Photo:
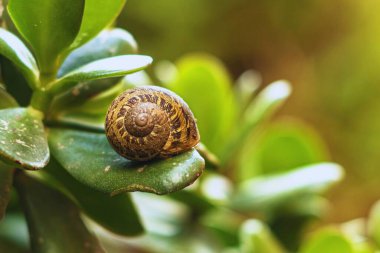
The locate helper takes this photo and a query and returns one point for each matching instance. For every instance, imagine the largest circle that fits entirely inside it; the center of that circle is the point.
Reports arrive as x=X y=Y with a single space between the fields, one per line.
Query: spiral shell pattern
x=148 y=122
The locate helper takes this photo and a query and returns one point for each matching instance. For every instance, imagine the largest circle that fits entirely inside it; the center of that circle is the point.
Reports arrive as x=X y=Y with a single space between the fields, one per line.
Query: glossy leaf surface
x=256 y=237
x=265 y=192
x=96 y=16
x=203 y=82
x=117 y=213
x=89 y=158
x=261 y=108
x=22 y=139
x=108 y=43
x=12 y=48
x=50 y=26
x=281 y=146
x=56 y=227
x=104 y=68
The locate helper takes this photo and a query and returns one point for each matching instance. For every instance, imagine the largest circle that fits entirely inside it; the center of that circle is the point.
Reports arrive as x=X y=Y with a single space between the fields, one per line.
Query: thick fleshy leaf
x=104 y=68
x=6 y=176
x=108 y=43
x=56 y=226
x=96 y=16
x=246 y=85
x=12 y=48
x=263 y=106
x=281 y=146
x=22 y=138
x=262 y=193
x=50 y=26
x=91 y=111
x=117 y=213
x=6 y=100
x=89 y=158
x=256 y=237
x=203 y=82
x=327 y=241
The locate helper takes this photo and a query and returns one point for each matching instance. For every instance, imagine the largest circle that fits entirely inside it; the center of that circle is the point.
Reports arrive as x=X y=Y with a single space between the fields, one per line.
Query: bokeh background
x=328 y=50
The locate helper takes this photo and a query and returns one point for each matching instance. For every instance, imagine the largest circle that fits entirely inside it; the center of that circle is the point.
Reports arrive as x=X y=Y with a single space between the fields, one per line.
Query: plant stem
x=41 y=101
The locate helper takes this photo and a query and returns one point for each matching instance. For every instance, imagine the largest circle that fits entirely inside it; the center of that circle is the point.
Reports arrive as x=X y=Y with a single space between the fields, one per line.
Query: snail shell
x=150 y=122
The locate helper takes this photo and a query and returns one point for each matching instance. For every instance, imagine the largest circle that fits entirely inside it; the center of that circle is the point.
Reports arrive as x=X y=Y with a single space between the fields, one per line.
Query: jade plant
x=64 y=189
x=52 y=120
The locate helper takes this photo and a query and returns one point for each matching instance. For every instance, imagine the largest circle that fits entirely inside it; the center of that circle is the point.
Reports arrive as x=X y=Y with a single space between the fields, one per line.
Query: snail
x=150 y=122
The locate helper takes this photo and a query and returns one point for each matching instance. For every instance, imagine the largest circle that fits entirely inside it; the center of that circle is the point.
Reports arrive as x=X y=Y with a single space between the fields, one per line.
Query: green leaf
x=56 y=226
x=12 y=48
x=117 y=213
x=15 y=82
x=203 y=82
x=89 y=158
x=96 y=16
x=374 y=223
x=282 y=146
x=6 y=176
x=104 y=68
x=256 y=237
x=22 y=138
x=6 y=100
x=13 y=228
x=266 y=192
x=245 y=87
x=262 y=107
x=50 y=26
x=108 y=43
x=327 y=241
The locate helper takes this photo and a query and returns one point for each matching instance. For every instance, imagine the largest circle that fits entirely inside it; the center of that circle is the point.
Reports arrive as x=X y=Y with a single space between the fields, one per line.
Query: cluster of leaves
x=261 y=187
x=57 y=85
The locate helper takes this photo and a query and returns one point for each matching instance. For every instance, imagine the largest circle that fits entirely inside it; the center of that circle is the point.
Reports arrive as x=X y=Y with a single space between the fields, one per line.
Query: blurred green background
x=328 y=50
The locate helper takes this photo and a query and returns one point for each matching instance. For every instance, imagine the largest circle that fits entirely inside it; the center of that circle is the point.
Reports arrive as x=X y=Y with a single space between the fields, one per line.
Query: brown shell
x=148 y=122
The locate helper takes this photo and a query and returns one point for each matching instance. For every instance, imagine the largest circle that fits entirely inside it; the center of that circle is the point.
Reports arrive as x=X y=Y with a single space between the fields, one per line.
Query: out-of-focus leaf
x=13 y=49
x=89 y=158
x=216 y=188
x=14 y=230
x=246 y=85
x=96 y=16
x=6 y=100
x=268 y=192
x=104 y=68
x=50 y=26
x=284 y=145
x=161 y=215
x=256 y=237
x=6 y=177
x=263 y=106
x=357 y=232
x=225 y=224
x=54 y=227
x=199 y=204
x=203 y=82
x=374 y=223
x=22 y=139
x=117 y=213
x=16 y=84
x=327 y=241
x=108 y=43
